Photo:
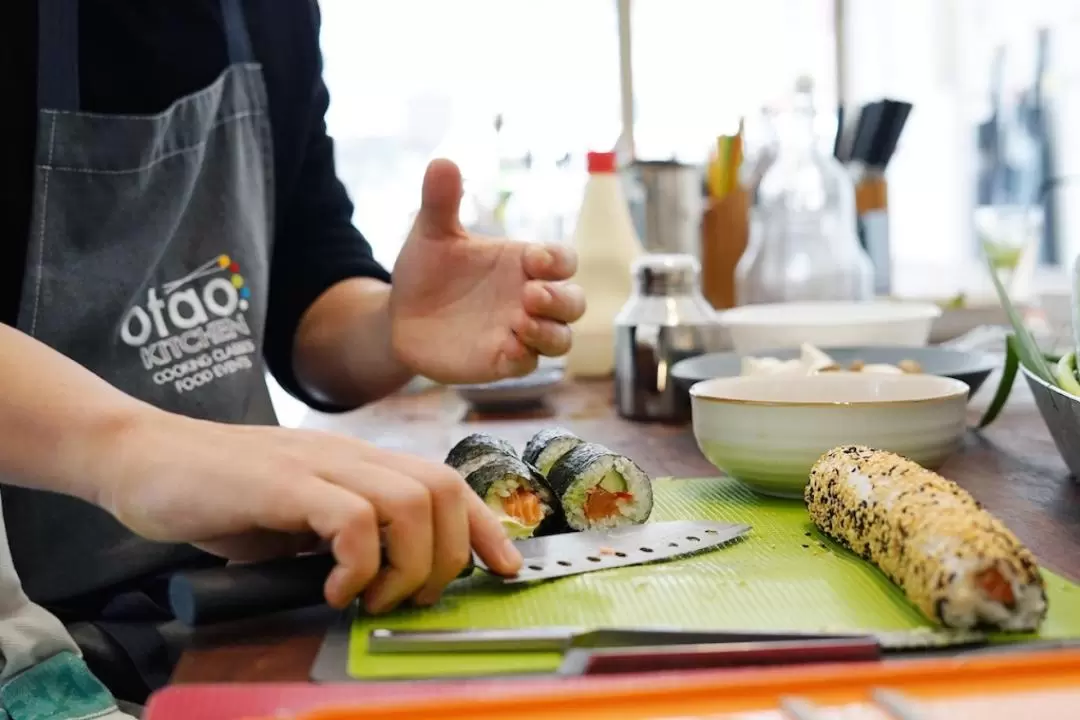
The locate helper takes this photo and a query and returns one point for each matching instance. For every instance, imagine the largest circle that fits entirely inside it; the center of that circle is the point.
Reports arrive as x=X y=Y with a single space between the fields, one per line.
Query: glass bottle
x=803 y=243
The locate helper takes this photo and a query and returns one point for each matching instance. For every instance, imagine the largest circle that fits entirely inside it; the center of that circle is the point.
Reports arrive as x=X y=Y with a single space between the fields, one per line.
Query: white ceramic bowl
x=829 y=324
x=768 y=431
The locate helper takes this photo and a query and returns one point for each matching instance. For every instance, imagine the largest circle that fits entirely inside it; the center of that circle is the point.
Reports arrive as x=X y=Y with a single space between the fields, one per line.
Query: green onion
x=1031 y=357
x=1008 y=376
x=1021 y=349
x=1065 y=374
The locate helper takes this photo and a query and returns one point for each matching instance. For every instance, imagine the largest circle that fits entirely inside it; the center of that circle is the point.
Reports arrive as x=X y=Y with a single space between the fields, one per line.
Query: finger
x=545 y=337
x=489 y=540
x=357 y=550
x=336 y=514
x=550 y=262
x=450 y=519
x=485 y=534
x=562 y=302
x=515 y=358
x=404 y=510
x=440 y=203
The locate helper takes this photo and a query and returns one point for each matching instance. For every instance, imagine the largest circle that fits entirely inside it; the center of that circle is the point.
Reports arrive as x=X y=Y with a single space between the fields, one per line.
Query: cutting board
x=783 y=575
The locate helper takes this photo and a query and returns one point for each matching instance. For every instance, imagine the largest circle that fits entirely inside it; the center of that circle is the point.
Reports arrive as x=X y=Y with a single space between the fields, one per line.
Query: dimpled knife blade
x=590 y=551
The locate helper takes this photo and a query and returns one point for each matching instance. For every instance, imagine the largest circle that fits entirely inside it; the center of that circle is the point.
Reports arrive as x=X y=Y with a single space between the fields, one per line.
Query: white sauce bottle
x=607 y=245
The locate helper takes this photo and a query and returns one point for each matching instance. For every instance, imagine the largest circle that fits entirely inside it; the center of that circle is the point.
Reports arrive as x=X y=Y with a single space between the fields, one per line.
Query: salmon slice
x=524 y=506
x=996 y=587
x=601 y=503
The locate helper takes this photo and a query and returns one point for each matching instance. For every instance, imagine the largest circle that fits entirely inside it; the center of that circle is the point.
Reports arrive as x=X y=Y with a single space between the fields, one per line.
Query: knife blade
x=568 y=554
x=384 y=641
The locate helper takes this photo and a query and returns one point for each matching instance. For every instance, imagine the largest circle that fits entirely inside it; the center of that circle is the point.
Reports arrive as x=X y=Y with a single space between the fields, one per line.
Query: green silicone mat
x=783 y=575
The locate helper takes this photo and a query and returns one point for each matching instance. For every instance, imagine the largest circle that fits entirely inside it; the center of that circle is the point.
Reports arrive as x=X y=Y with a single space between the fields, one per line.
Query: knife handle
x=234 y=592
x=700 y=657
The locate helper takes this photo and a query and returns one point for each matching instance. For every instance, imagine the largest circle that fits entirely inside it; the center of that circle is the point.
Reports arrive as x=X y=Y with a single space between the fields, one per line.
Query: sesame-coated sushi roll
x=955 y=561
x=518 y=496
x=546 y=447
x=475 y=450
x=600 y=489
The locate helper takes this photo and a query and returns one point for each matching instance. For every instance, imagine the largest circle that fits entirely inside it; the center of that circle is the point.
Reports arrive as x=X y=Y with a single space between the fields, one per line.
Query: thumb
x=441 y=200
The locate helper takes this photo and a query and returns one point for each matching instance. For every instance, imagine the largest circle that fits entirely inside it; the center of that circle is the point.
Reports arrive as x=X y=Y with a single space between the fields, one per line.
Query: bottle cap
x=601 y=162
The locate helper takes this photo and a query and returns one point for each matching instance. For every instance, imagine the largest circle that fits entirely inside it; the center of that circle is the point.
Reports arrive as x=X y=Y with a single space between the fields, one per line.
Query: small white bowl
x=829 y=324
x=768 y=431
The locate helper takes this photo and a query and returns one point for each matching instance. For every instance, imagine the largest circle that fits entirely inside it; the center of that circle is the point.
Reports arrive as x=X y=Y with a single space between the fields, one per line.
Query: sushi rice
x=954 y=560
x=600 y=489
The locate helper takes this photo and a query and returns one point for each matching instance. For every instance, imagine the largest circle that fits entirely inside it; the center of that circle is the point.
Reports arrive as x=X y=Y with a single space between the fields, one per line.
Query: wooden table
x=1012 y=467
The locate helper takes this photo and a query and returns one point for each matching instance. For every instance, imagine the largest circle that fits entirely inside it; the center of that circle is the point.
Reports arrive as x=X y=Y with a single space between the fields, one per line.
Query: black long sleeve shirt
x=138 y=58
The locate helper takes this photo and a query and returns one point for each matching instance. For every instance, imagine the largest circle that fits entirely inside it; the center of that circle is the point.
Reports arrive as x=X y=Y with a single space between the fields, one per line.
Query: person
x=176 y=227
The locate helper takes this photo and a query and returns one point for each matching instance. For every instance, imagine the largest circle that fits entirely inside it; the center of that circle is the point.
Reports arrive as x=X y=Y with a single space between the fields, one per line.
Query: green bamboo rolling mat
x=783 y=575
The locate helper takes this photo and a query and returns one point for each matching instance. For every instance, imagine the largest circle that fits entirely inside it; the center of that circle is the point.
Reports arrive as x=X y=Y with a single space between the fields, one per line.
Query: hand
x=473 y=309
x=250 y=493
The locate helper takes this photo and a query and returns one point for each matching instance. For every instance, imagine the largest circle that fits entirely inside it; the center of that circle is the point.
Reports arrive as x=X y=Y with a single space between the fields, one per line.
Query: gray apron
x=148 y=263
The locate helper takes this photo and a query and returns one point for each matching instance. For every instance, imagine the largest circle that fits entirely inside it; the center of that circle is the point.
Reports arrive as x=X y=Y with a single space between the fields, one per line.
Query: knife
x=205 y=596
x=561 y=639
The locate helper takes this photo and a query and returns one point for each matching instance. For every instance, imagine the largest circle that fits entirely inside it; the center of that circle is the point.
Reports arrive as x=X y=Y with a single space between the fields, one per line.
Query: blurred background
x=518 y=91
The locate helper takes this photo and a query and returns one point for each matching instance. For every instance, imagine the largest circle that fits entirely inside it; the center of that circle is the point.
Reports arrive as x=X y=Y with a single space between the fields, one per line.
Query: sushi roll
x=600 y=489
x=955 y=561
x=517 y=494
x=546 y=447
x=475 y=450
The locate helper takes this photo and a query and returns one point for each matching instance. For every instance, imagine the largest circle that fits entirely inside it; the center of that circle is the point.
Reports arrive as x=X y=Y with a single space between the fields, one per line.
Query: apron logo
x=189 y=334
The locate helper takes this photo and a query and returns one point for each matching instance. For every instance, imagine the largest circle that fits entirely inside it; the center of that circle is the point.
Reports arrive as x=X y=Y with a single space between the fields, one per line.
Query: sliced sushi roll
x=600 y=489
x=517 y=494
x=475 y=450
x=955 y=561
x=546 y=447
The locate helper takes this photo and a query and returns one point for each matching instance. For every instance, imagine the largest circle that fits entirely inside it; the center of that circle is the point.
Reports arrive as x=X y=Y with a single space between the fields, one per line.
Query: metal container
x=667 y=203
x=666 y=320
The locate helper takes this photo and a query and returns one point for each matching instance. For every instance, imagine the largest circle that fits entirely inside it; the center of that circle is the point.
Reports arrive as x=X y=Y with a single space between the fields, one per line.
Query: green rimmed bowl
x=768 y=431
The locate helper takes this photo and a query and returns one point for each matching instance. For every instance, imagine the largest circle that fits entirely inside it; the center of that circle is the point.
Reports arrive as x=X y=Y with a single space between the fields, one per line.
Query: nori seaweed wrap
x=599 y=489
x=475 y=450
x=546 y=447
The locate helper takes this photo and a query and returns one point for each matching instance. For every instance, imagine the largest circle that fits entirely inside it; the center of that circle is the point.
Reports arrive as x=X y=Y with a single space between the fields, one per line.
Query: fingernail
x=510 y=554
x=543 y=257
x=335 y=587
